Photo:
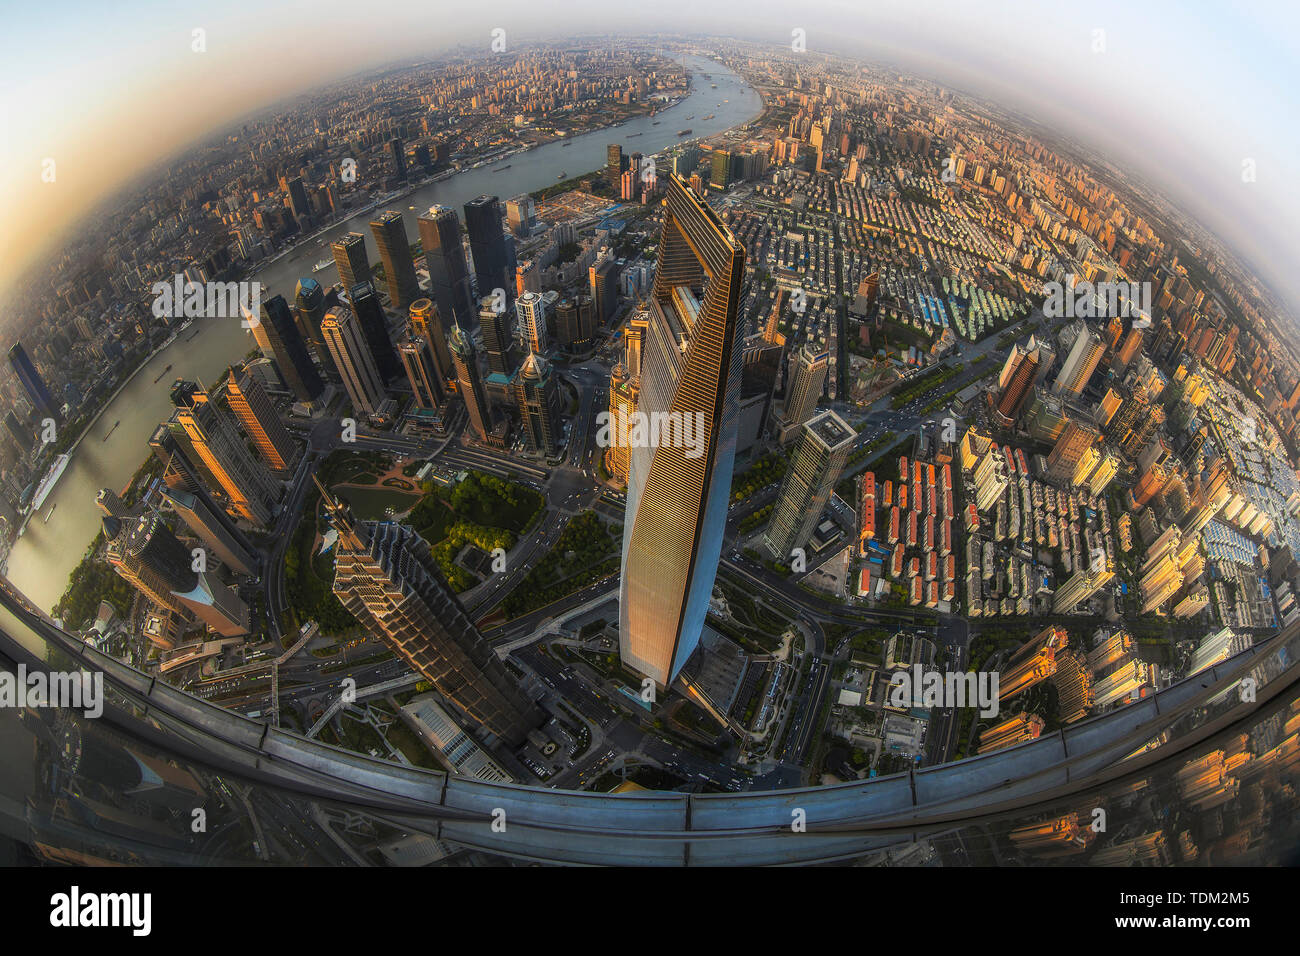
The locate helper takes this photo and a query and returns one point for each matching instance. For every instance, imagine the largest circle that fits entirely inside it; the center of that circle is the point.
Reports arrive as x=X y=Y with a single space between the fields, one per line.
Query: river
x=48 y=552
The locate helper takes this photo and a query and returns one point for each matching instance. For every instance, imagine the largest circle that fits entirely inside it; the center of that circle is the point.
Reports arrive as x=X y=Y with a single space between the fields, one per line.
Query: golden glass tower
x=678 y=493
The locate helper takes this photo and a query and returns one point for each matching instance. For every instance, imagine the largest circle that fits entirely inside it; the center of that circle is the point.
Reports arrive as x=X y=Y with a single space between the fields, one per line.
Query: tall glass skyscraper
x=487 y=244
x=288 y=349
x=351 y=259
x=395 y=252
x=32 y=382
x=448 y=271
x=677 y=499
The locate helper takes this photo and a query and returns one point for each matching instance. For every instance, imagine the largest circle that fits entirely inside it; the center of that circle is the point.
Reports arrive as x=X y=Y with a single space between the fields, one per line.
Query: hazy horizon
x=1175 y=98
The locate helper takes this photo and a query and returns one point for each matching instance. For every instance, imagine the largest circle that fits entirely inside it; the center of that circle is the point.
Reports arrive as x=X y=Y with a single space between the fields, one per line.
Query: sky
x=1181 y=92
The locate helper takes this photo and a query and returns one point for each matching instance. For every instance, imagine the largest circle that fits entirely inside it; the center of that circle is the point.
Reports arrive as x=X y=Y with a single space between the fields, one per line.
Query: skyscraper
x=22 y=435
x=613 y=162
x=426 y=383
x=309 y=304
x=808 y=482
x=498 y=335
x=470 y=383
x=807 y=378
x=289 y=350
x=448 y=272
x=395 y=252
x=298 y=203
x=677 y=498
x=245 y=481
x=1082 y=585
x=1019 y=375
x=398 y=156
x=1069 y=450
x=351 y=259
x=145 y=552
x=487 y=246
x=260 y=421
x=538 y=401
x=374 y=326
x=534 y=336
x=356 y=365
x=32 y=383
x=427 y=324
x=215 y=529
x=385 y=575
x=1080 y=363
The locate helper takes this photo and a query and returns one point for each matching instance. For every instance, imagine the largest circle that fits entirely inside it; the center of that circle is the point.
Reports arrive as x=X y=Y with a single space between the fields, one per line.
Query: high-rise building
x=214 y=528
x=298 y=202
x=32 y=383
x=678 y=492
x=426 y=382
x=110 y=503
x=613 y=162
x=22 y=435
x=145 y=552
x=386 y=576
x=534 y=335
x=808 y=482
x=427 y=324
x=487 y=246
x=519 y=214
x=498 y=335
x=397 y=153
x=991 y=478
x=1080 y=363
x=247 y=483
x=1082 y=585
x=309 y=303
x=374 y=326
x=395 y=252
x=623 y=392
x=257 y=416
x=603 y=279
x=1069 y=450
x=351 y=258
x=538 y=401
x=1019 y=375
x=351 y=353
x=289 y=350
x=470 y=383
x=448 y=272
x=807 y=378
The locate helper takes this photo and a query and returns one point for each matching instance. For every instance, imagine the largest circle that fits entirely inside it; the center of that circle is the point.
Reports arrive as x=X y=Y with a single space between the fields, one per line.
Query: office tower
x=1080 y=363
x=146 y=553
x=567 y=335
x=1069 y=449
x=448 y=272
x=260 y=421
x=351 y=259
x=1101 y=476
x=721 y=169
x=351 y=354
x=1144 y=429
x=374 y=326
x=807 y=378
x=1012 y=731
x=498 y=336
x=538 y=401
x=426 y=323
x=22 y=435
x=1018 y=374
x=808 y=483
x=108 y=501
x=214 y=528
x=991 y=479
x=1128 y=350
x=487 y=246
x=603 y=279
x=386 y=576
x=1035 y=662
x=613 y=162
x=519 y=214
x=245 y=481
x=289 y=350
x=37 y=391
x=1082 y=585
x=395 y=252
x=623 y=393
x=470 y=383
x=309 y=304
x=426 y=383
x=298 y=203
x=677 y=498
x=398 y=156
x=534 y=336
